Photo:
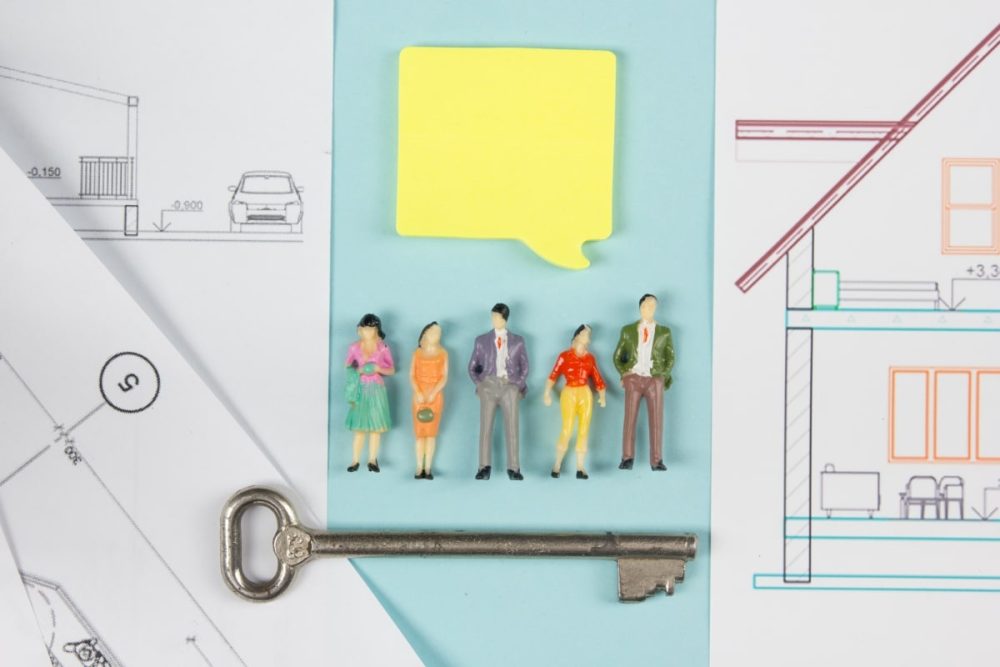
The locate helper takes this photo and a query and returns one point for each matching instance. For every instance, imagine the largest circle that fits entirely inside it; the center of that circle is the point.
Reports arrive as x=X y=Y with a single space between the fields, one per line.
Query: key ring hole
x=233 y=515
x=258 y=526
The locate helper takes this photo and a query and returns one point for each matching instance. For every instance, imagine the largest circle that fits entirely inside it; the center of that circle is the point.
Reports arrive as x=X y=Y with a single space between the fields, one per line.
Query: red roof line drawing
x=812 y=130
x=864 y=166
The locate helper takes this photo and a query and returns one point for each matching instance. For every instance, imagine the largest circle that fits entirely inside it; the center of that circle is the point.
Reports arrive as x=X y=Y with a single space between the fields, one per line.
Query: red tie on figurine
x=645 y=334
x=499 y=342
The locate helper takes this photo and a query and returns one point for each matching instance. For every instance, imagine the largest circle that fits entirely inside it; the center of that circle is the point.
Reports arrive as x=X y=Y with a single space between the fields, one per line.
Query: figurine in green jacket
x=644 y=357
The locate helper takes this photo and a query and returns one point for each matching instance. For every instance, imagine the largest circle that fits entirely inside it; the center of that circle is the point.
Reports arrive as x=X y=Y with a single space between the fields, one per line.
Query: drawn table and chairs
x=927 y=491
x=859 y=491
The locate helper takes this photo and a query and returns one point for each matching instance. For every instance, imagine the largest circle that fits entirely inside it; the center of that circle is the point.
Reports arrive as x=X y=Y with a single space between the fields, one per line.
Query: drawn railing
x=107 y=177
x=889 y=294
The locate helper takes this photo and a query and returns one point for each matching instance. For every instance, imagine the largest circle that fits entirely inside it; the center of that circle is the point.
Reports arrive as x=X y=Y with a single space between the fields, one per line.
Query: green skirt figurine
x=368 y=361
x=370 y=413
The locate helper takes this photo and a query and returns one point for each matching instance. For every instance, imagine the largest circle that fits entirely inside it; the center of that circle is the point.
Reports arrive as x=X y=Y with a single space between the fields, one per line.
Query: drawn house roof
x=895 y=134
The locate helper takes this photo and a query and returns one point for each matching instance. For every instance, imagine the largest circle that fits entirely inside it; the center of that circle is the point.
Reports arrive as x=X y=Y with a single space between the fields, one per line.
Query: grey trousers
x=493 y=391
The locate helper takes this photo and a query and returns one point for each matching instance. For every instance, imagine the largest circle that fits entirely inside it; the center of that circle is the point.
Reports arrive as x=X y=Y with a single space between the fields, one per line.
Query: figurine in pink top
x=368 y=359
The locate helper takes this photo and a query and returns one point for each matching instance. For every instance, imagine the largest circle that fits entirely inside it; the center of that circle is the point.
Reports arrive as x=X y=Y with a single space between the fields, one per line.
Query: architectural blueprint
x=856 y=446
x=115 y=462
x=19 y=639
x=189 y=144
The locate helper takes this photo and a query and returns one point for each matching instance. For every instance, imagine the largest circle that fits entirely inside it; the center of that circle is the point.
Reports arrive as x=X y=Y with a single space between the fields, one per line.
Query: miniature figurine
x=368 y=359
x=499 y=367
x=428 y=376
x=644 y=358
x=576 y=401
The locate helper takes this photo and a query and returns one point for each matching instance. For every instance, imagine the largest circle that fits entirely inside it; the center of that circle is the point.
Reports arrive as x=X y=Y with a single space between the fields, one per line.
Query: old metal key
x=646 y=563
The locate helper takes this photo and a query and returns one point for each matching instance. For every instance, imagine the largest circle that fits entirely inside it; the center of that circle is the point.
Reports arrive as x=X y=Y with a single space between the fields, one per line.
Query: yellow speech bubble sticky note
x=504 y=143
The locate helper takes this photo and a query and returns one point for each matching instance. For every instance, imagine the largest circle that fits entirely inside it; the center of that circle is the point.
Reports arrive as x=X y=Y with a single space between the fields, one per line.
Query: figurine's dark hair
x=503 y=311
x=420 y=338
x=647 y=296
x=372 y=320
x=579 y=329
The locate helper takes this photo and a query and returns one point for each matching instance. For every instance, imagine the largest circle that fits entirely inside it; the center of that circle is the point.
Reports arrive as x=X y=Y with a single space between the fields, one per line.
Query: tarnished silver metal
x=232 y=542
x=646 y=563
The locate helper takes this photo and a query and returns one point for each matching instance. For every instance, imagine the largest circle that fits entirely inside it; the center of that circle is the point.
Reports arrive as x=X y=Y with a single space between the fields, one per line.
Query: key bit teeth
x=640 y=578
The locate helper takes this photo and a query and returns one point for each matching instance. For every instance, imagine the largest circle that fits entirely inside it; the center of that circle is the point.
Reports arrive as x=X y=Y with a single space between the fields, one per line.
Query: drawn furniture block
x=849 y=491
x=951 y=489
x=874 y=294
x=826 y=289
x=922 y=491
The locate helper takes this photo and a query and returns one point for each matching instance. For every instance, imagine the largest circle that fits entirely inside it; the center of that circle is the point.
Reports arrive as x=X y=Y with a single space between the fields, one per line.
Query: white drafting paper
x=135 y=120
x=856 y=442
x=115 y=462
x=20 y=641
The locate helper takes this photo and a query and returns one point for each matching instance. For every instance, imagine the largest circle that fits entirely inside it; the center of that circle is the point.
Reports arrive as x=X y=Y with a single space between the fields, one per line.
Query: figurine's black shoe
x=484 y=473
x=658 y=466
x=353 y=467
x=555 y=474
x=420 y=475
x=514 y=474
x=626 y=464
x=582 y=474
x=373 y=466
x=428 y=475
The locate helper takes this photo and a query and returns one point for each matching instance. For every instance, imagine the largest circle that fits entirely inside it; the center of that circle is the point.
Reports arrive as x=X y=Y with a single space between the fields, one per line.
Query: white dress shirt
x=644 y=364
x=501 y=336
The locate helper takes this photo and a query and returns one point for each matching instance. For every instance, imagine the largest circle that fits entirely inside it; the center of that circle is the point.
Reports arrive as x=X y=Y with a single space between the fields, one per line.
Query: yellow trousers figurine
x=576 y=401
x=576 y=404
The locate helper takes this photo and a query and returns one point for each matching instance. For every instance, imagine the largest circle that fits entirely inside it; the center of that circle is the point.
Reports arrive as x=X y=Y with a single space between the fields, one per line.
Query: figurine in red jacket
x=576 y=400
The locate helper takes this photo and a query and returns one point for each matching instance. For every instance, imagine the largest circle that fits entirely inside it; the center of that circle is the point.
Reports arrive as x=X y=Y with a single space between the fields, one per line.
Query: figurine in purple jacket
x=499 y=367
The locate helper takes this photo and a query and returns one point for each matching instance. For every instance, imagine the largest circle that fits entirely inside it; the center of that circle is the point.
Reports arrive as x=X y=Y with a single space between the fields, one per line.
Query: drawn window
x=908 y=415
x=969 y=218
x=988 y=415
x=936 y=414
x=952 y=415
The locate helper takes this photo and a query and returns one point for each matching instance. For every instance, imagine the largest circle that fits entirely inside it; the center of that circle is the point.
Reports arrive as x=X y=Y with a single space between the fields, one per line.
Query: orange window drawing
x=909 y=414
x=988 y=415
x=952 y=415
x=947 y=415
x=969 y=220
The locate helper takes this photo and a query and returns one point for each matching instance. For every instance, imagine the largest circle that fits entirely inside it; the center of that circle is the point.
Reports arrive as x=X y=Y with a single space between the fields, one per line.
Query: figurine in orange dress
x=576 y=400
x=428 y=376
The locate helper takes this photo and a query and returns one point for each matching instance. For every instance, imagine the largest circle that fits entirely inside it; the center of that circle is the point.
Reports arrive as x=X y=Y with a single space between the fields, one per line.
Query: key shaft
x=537 y=545
x=646 y=562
